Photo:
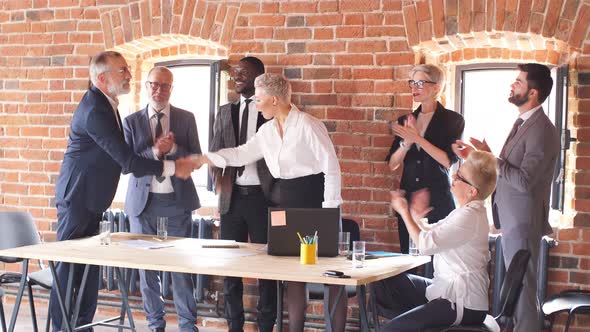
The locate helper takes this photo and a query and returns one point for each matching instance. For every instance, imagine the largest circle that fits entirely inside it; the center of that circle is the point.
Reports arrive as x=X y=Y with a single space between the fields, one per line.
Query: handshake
x=185 y=166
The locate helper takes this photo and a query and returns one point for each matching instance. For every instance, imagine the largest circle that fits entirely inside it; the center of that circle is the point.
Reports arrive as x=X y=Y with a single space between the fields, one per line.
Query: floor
x=24 y=323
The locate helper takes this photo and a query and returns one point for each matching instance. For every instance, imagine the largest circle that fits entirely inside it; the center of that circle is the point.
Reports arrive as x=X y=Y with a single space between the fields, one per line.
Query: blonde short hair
x=435 y=73
x=483 y=172
x=274 y=85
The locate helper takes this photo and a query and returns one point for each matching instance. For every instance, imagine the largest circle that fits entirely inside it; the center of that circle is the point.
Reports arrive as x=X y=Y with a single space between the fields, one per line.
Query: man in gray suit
x=243 y=193
x=162 y=131
x=520 y=204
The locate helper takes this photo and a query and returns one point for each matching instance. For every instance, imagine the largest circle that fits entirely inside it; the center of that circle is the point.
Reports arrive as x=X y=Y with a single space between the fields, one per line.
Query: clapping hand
x=480 y=145
x=164 y=144
x=462 y=149
x=398 y=201
x=420 y=203
x=408 y=131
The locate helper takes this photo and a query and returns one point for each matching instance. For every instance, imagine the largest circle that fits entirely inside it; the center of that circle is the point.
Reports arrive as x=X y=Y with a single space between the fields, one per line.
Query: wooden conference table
x=195 y=256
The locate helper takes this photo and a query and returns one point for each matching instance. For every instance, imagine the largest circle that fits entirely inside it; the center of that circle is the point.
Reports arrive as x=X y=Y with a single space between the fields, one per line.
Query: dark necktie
x=159 y=131
x=512 y=133
x=244 y=130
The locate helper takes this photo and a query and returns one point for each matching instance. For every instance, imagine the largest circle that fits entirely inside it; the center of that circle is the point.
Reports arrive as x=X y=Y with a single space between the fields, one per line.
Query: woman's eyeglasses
x=419 y=84
x=464 y=180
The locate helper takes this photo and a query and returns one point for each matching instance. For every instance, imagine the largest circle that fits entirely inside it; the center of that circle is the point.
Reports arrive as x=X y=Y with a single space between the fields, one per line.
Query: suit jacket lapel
x=174 y=121
x=431 y=129
x=522 y=131
x=144 y=125
x=235 y=117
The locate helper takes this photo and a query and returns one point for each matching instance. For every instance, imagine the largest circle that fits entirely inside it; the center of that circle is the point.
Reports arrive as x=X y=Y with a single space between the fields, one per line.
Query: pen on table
x=159 y=240
x=300 y=238
x=170 y=246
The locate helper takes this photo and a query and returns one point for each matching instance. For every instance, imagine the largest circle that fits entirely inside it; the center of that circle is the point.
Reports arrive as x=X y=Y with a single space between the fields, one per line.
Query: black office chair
x=508 y=297
x=18 y=229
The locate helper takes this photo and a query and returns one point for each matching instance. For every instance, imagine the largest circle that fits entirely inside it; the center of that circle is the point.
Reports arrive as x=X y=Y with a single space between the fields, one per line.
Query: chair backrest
x=513 y=283
x=349 y=225
x=17 y=229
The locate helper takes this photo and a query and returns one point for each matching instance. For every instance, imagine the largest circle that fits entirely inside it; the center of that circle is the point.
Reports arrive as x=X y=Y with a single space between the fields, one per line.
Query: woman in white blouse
x=300 y=155
x=458 y=293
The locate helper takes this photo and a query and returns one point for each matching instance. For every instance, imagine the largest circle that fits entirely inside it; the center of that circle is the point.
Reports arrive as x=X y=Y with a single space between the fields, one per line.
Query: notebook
x=283 y=225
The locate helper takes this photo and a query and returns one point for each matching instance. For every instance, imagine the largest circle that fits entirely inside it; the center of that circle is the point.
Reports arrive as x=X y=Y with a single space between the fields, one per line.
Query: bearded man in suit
x=92 y=164
x=161 y=131
x=526 y=165
x=243 y=193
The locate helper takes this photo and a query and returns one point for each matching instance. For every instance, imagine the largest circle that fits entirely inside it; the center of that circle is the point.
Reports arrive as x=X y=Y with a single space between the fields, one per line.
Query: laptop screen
x=284 y=224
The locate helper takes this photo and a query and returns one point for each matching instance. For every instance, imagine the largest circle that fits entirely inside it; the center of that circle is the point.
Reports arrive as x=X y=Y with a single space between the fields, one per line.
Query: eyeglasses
x=419 y=84
x=163 y=86
x=121 y=71
x=464 y=180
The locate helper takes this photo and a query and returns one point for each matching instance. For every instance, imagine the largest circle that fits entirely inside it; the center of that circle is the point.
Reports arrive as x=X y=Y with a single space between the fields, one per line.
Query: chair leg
x=48 y=323
x=373 y=306
x=32 y=307
x=19 y=296
x=570 y=316
x=2 y=318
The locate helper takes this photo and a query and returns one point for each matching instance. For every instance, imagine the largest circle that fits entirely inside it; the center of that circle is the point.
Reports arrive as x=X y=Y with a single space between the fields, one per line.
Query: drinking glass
x=162 y=224
x=358 y=254
x=105 y=232
x=343 y=243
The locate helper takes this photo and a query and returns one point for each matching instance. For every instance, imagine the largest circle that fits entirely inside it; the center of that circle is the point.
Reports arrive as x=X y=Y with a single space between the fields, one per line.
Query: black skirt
x=302 y=192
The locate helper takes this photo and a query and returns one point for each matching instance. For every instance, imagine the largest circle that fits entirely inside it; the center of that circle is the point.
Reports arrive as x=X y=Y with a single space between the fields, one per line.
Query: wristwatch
x=404 y=146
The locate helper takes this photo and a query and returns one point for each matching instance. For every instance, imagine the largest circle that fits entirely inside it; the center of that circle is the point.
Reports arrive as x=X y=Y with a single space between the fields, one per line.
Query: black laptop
x=283 y=225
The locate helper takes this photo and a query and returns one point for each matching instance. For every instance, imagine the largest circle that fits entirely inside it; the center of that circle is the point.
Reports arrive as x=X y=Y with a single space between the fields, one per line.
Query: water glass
x=105 y=232
x=343 y=243
x=358 y=254
x=162 y=227
x=412 y=248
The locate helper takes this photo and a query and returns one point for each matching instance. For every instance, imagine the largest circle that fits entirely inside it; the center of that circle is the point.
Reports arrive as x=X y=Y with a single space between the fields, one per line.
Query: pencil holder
x=307 y=254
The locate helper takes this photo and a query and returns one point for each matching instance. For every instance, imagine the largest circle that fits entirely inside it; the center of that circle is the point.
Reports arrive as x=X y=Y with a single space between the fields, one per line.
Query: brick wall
x=347 y=60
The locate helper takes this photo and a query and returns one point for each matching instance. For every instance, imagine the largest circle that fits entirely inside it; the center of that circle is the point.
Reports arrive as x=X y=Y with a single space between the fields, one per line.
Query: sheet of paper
x=143 y=244
x=278 y=218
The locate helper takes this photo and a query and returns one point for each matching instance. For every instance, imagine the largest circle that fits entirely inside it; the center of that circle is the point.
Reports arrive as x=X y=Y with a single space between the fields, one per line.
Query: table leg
x=123 y=309
x=279 y=306
x=60 y=300
x=80 y=296
x=125 y=297
x=329 y=312
x=21 y=289
x=361 y=293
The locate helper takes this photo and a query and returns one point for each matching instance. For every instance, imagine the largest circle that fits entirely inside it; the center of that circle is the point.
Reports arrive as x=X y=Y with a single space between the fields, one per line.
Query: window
x=196 y=89
x=482 y=97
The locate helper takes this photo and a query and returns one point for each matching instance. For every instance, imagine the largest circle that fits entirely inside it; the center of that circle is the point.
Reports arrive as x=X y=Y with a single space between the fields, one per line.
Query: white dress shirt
x=459 y=244
x=165 y=186
x=250 y=175
x=305 y=149
x=526 y=115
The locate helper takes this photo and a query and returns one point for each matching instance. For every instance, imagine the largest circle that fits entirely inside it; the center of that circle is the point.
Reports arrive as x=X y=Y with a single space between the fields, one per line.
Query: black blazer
x=226 y=136
x=420 y=169
x=96 y=155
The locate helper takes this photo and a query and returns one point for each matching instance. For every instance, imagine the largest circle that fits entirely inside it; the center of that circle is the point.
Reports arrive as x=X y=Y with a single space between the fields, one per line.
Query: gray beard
x=157 y=106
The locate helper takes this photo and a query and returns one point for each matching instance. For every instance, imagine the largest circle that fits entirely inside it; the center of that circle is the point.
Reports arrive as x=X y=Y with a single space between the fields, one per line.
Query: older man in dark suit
x=95 y=156
x=161 y=131
x=526 y=165
x=243 y=193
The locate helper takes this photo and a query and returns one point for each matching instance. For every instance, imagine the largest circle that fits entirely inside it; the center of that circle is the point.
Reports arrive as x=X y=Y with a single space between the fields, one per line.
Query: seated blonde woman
x=458 y=293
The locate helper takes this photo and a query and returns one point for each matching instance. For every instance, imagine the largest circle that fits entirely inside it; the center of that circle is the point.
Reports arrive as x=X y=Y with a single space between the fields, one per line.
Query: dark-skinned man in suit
x=243 y=193
x=94 y=159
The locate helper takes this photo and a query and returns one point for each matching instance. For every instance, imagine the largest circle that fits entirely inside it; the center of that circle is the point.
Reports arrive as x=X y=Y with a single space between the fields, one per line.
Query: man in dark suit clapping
x=95 y=156
x=243 y=193
x=161 y=131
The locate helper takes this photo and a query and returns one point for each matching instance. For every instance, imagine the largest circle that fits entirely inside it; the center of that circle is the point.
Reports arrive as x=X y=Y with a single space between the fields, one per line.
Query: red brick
x=292 y=33
x=580 y=30
x=366 y=46
x=326 y=47
x=359 y=5
x=362 y=73
x=323 y=20
x=349 y=32
x=551 y=17
x=298 y=7
x=353 y=86
x=357 y=59
x=267 y=20
x=323 y=33
x=411 y=25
